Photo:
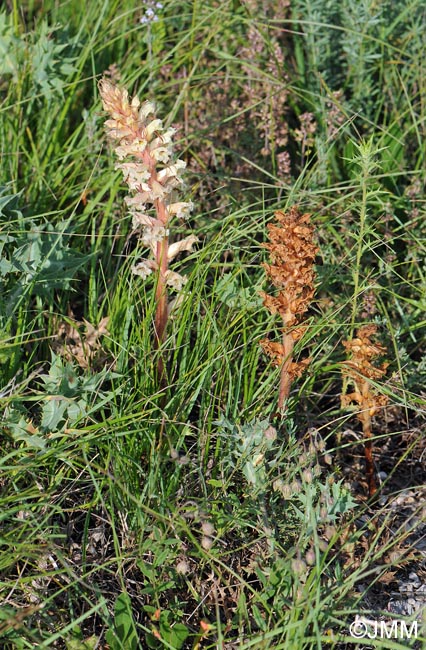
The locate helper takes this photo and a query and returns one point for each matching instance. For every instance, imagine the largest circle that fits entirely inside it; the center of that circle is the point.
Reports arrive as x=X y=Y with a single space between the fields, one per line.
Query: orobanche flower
x=153 y=175
x=142 y=143
x=144 y=268
x=361 y=371
x=291 y=269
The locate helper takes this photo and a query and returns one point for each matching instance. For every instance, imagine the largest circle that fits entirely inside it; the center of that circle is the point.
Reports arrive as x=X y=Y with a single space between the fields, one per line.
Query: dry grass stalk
x=144 y=150
x=360 y=371
x=292 y=254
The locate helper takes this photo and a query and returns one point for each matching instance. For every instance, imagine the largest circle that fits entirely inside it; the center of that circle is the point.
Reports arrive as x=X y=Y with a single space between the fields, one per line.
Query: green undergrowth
x=192 y=514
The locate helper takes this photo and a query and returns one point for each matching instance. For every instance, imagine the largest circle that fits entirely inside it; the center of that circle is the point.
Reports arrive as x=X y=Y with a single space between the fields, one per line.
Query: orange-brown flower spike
x=291 y=271
x=359 y=369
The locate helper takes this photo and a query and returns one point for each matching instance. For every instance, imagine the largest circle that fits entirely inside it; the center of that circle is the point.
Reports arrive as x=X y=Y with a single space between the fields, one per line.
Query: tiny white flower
x=181 y=209
x=157 y=191
x=161 y=142
x=135 y=148
x=179 y=246
x=172 y=170
x=135 y=175
x=175 y=280
x=138 y=200
x=146 y=109
x=135 y=167
x=154 y=125
x=161 y=154
x=168 y=134
x=135 y=102
x=169 y=176
x=117 y=129
x=144 y=268
x=142 y=219
x=154 y=234
x=174 y=304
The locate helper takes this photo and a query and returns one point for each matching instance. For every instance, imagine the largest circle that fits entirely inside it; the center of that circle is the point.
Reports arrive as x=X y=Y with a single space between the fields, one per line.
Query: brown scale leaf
x=298 y=332
x=363 y=351
x=297 y=368
x=274 y=350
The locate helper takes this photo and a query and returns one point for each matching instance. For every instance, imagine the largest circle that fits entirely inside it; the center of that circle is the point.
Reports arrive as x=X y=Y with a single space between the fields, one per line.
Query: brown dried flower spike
x=292 y=254
x=360 y=370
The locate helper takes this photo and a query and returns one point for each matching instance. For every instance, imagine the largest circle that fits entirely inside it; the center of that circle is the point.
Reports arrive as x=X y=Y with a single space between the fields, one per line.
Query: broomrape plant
x=144 y=150
x=292 y=254
x=360 y=371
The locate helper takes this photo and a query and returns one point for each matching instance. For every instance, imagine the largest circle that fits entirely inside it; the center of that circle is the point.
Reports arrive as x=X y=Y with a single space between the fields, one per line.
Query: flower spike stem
x=161 y=293
x=144 y=151
x=286 y=369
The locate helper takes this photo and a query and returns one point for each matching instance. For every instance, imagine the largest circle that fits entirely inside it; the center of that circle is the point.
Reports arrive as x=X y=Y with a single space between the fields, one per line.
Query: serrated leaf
x=33 y=441
x=53 y=412
x=11 y=48
x=9 y=206
x=50 y=65
x=233 y=295
x=46 y=260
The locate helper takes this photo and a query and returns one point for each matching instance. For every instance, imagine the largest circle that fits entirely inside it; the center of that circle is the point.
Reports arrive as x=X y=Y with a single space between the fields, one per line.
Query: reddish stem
x=369 y=468
x=365 y=418
x=285 y=378
x=161 y=290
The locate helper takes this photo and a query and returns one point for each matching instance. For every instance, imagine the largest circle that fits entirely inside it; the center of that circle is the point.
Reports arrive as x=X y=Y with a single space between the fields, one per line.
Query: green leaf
x=53 y=413
x=44 y=259
x=9 y=208
x=19 y=428
x=124 y=635
x=87 y=644
x=11 y=48
x=174 y=635
x=215 y=482
x=260 y=621
x=234 y=295
x=50 y=65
